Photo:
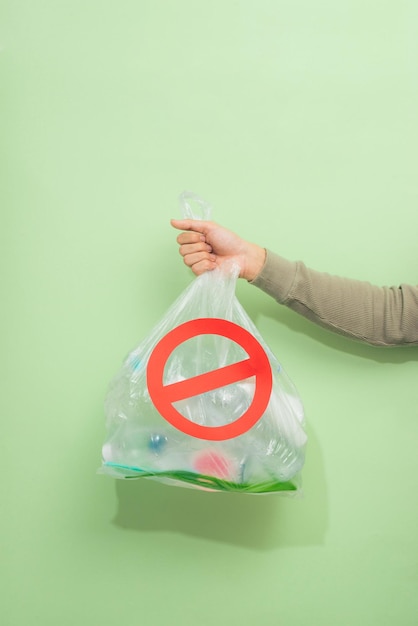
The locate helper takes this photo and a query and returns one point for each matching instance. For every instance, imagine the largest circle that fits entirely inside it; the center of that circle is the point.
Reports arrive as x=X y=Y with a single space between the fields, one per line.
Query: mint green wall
x=298 y=122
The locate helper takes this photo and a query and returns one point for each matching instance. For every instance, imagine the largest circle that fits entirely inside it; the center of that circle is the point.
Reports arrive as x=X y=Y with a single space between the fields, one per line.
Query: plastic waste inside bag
x=203 y=402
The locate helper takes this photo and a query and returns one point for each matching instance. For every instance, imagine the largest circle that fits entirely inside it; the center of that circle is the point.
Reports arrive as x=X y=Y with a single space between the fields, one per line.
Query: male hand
x=207 y=245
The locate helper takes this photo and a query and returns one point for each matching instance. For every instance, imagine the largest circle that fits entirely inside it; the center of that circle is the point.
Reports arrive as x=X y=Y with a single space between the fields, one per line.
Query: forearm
x=386 y=316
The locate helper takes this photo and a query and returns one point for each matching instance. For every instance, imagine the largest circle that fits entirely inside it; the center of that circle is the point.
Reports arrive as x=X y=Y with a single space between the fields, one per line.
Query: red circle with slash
x=257 y=364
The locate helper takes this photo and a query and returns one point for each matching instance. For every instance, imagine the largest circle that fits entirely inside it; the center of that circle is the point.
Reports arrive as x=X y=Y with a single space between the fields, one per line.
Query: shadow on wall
x=258 y=522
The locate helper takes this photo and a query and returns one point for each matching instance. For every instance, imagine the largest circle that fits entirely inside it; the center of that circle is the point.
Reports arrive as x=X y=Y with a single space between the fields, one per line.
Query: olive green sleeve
x=383 y=316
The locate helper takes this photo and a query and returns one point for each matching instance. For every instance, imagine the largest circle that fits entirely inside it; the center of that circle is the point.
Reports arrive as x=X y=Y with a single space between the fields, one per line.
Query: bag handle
x=193 y=207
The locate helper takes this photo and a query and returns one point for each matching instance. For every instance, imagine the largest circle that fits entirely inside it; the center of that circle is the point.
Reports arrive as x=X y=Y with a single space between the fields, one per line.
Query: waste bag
x=203 y=402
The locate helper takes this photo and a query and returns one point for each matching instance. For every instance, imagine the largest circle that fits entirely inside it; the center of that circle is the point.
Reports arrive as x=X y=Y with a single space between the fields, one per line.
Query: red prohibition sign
x=257 y=364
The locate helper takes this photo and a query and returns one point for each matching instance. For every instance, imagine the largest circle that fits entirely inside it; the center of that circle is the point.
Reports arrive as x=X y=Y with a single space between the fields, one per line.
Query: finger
x=199 y=257
x=203 y=266
x=191 y=248
x=190 y=237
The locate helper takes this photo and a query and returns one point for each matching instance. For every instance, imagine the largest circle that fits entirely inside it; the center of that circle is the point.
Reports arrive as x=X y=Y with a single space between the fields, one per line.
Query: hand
x=206 y=245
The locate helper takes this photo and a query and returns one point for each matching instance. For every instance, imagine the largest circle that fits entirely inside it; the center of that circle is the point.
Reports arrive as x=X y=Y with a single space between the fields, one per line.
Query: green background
x=297 y=121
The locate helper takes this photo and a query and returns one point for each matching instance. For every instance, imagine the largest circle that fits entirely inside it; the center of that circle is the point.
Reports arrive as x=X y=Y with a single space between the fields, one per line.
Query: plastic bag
x=202 y=401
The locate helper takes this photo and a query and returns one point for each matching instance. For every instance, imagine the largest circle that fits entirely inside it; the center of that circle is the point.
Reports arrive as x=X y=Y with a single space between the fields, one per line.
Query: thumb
x=198 y=226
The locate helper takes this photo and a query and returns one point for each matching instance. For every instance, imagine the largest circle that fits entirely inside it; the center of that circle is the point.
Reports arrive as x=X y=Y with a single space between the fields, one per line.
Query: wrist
x=254 y=262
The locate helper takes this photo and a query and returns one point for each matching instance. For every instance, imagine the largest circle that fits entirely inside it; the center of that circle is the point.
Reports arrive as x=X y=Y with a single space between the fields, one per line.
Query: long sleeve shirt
x=381 y=316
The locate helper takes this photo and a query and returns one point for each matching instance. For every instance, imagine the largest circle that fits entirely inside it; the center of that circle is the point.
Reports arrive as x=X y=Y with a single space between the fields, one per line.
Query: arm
x=385 y=316
x=382 y=316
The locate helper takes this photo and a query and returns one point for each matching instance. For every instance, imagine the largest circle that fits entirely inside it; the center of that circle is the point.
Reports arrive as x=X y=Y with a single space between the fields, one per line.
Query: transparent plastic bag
x=202 y=401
